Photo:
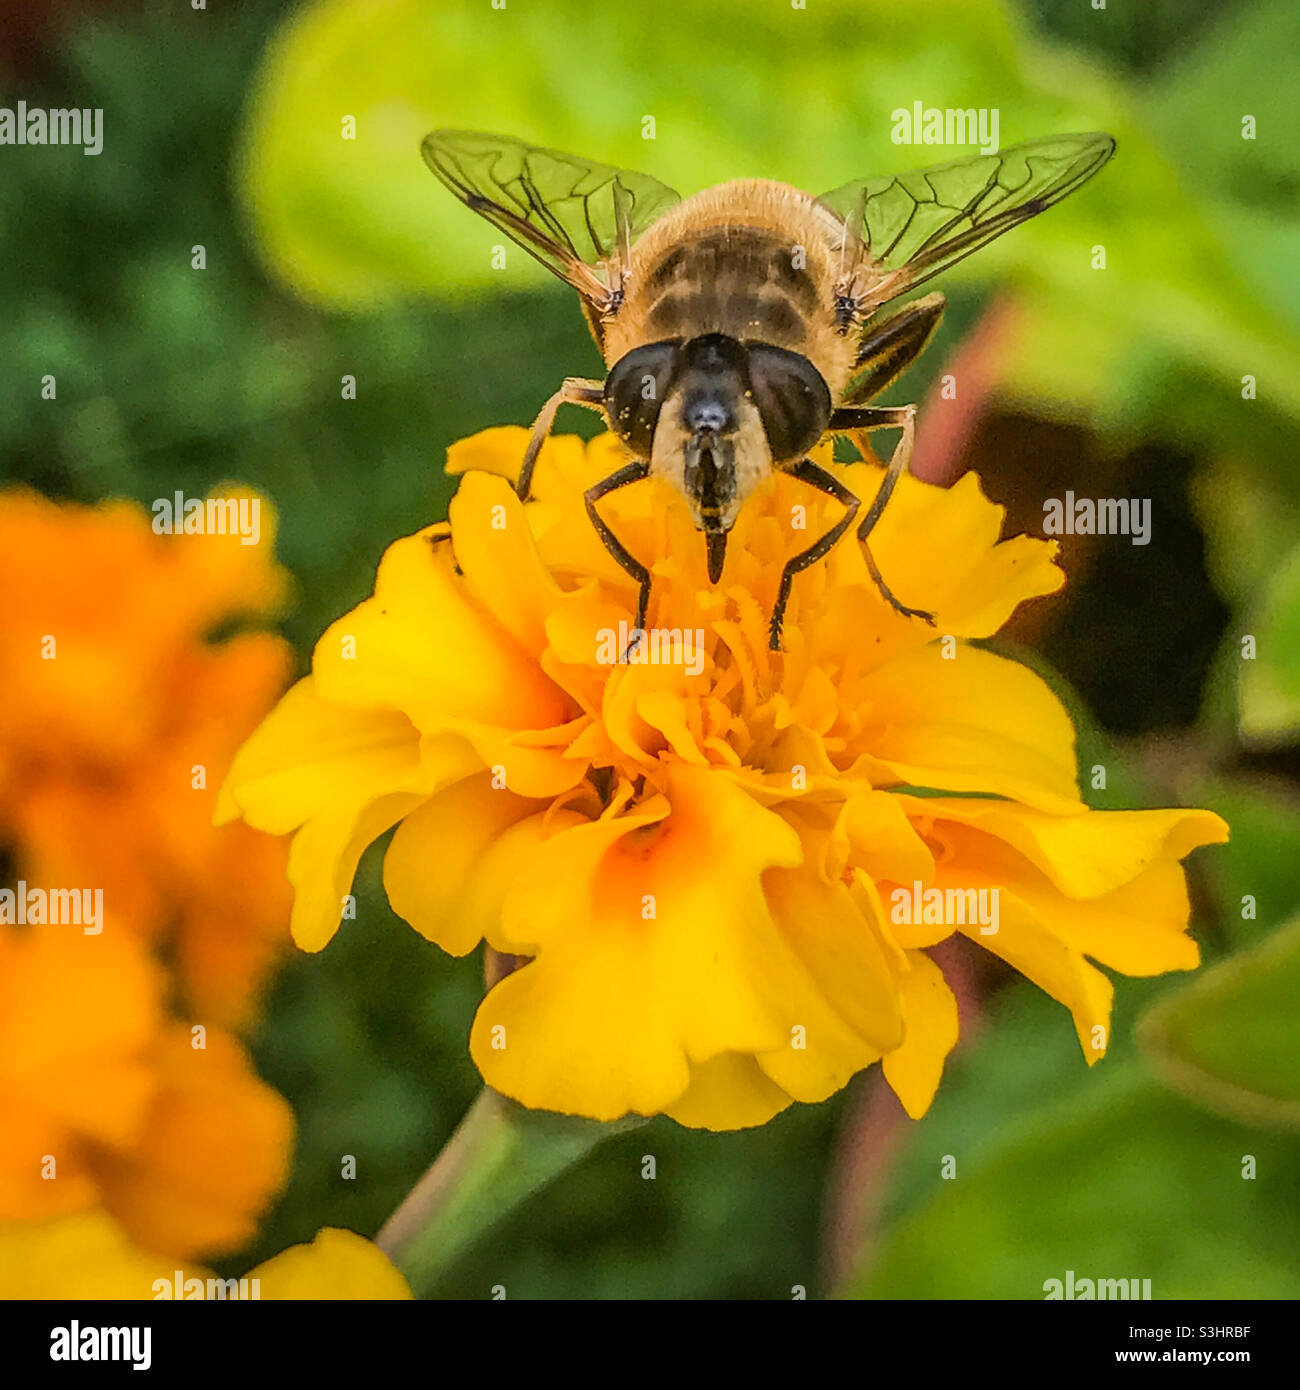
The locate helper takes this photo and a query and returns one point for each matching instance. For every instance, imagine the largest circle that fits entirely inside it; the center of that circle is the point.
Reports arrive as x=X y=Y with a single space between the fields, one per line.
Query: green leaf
x=1198 y=104
x=348 y=221
x=1269 y=685
x=1227 y=1039
x=1244 y=503
x=1129 y=1182
x=1259 y=862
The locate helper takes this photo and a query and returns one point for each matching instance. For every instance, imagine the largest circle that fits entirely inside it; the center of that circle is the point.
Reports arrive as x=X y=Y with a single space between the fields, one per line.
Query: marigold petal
x=85 y=1256
x=323 y=862
x=1139 y=927
x=976 y=723
x=229 y=941
x=1031 y=946
x=221 y=574
x=667 y=712
x=495 y=550
x=78 y=1017
x=915 y=1068
x=214 y=1151
x=338 y=1264
x=617 y=1002
x=422 y=645
x=500 y=450
x=445 y=871
x=43 y=1171
x=878 y=838
x=852 y=1015
x=308 y=748
x=730 y=1091
x=345 y=776
x=1085 y=854
x=981 y=581
x=1100 y=883
x=537 y=763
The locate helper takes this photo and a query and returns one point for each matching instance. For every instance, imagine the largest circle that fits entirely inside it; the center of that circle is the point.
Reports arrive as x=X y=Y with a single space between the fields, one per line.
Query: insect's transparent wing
x=577 y=217
x=914 y=225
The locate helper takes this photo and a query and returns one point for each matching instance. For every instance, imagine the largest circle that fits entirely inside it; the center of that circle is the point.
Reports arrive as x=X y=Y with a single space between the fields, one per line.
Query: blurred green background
x=328 y=257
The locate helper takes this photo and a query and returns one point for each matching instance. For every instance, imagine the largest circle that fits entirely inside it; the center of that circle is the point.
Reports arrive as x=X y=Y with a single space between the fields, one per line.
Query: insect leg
x=848 y=418
x=630 y=473
x=576 y=390
x=869 y=418
x=809 y=472
x=858 y=421
x=887 y=349
x=883 y=417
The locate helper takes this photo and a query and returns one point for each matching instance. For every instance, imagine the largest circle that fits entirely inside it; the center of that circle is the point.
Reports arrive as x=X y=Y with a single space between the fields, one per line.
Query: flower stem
x=499 y=1155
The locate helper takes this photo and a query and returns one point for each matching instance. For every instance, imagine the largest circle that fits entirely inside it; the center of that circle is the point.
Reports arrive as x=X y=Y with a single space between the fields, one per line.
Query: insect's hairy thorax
x=750 y=260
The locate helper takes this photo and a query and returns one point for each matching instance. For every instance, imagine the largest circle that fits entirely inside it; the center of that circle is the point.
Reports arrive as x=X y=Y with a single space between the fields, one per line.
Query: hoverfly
x=740 y=325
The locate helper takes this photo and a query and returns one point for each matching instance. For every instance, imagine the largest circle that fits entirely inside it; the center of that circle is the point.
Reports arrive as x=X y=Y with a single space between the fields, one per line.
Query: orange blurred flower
x=118 y=719
x=104 y=1099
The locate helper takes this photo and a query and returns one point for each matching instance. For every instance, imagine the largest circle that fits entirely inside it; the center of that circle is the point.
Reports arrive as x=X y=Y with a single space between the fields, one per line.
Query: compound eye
x=792 y=399
x=635 y=389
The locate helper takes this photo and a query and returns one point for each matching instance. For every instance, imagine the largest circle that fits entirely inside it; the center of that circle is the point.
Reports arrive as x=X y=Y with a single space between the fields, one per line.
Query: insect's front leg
x=857 y=421
x=576 y=390
x=809 y=472
x=630 y=473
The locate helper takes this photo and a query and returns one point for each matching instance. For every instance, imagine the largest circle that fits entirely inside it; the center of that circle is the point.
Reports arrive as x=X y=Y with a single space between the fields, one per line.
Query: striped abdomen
x=746 y=282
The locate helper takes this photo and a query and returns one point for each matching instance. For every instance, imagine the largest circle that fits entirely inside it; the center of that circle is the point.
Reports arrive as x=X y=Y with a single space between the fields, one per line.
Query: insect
x=741 y=325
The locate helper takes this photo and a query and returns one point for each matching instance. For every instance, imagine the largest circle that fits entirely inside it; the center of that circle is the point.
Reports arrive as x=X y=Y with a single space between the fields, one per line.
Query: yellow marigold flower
x=87 y=1255
x=90 y=1256
x=118 y=719
x=337 y=1264
x=705 y=858
x=104 y=1100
